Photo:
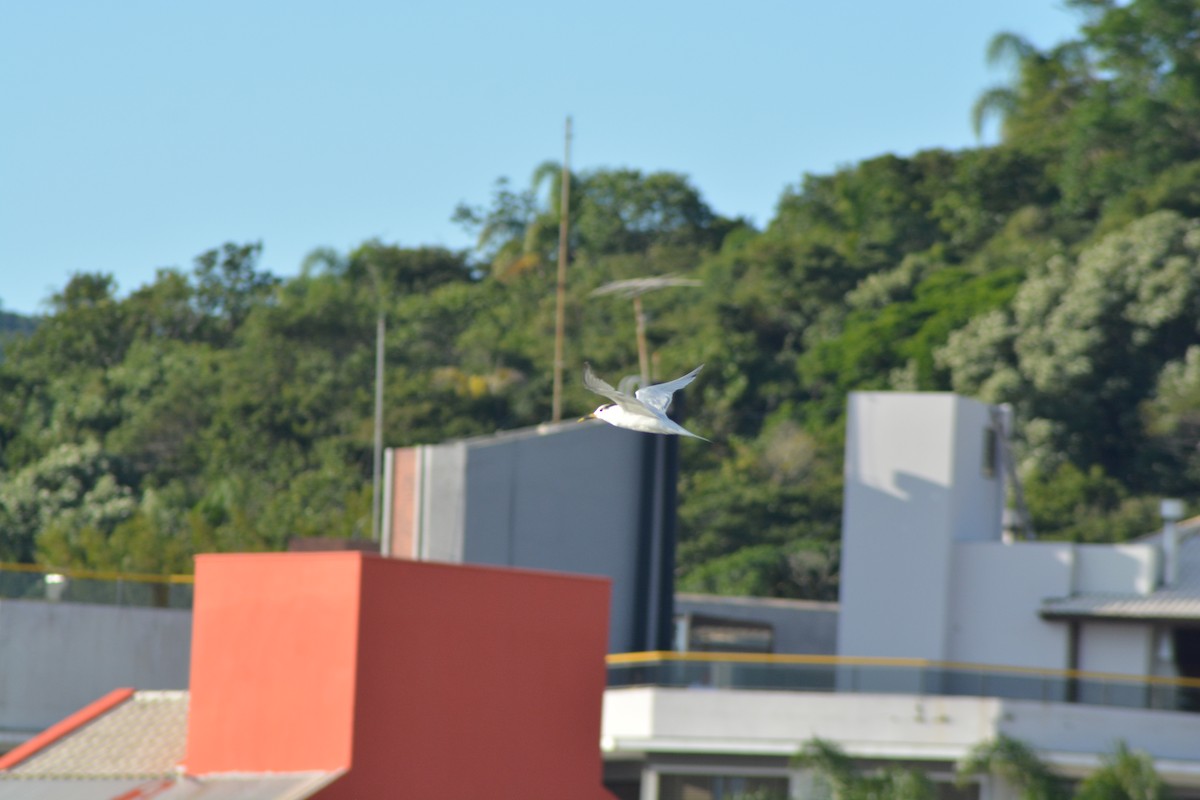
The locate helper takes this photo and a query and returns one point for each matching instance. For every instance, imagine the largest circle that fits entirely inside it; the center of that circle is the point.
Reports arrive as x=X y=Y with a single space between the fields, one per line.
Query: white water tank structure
x=921 y=473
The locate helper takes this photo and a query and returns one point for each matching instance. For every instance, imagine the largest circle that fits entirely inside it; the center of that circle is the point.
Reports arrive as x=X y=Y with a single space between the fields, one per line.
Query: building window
x=709 y=634
x=990 y=452
x=722 y=787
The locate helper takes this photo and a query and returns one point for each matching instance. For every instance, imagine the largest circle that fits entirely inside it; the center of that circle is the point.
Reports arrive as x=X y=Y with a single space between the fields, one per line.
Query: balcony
x=38 y=582
x=799 y=673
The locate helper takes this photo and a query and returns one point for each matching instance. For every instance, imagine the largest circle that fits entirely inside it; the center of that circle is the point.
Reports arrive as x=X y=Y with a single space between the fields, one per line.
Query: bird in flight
x=645 y=411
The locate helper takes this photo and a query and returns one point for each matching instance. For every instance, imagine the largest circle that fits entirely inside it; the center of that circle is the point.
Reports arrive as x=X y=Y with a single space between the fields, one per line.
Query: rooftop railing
x=703 y=670
x=803 y=673
x=39 y=582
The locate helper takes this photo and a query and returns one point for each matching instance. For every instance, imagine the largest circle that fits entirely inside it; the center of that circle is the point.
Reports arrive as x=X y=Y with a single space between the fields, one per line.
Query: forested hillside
x=15 y=323
x=220 y=407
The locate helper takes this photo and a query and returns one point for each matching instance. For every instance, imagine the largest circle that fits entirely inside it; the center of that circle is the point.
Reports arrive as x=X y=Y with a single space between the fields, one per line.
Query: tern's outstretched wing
x=599 y=386
x=659 y=395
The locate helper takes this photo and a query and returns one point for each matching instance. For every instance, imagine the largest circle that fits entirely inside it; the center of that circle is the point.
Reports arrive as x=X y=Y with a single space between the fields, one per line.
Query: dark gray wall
x=801 y=626
x=563 y=498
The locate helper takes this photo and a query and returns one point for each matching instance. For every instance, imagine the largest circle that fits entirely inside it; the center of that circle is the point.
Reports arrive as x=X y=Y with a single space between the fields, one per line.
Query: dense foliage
x=223 y=408
x=1123 y=774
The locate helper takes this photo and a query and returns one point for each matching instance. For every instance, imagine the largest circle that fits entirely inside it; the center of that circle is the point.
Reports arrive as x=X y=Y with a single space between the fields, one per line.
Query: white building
x=922 y=539
x=949 y=634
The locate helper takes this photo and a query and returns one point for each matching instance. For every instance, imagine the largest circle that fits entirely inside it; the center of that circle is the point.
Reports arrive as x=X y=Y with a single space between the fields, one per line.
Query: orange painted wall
x=274 y=643
x=404 y=502
x=426 y=680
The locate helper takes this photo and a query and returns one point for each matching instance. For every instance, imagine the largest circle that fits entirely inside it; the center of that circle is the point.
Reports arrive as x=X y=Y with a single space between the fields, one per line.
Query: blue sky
x=138 y=134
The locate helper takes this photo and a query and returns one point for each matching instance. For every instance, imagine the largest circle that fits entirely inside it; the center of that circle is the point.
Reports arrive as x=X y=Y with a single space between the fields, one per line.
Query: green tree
x=73 y=487
x=1015 y=763
x=163 y=392
x=508 y=234
x=228 y=285
x=11 y=323
x=1083 y=341
x=1047 y=86
x=625 y=211
x=612 y=211
x=86 y=327
x=1172 y=420
x=764 y=520
x=871 y=215
x=1125 y=775
x=837 y=777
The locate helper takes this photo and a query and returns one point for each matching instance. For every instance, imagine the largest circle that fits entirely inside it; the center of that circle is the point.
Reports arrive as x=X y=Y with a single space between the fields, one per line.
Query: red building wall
x=433 y=680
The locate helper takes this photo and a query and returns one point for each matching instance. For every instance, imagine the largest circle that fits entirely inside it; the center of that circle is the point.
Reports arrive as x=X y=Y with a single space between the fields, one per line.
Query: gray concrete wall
x=565 y=498
x=56 y=658
x=441 y=521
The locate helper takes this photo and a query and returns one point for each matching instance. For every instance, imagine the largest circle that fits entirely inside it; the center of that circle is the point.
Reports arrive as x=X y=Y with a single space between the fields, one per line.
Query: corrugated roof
x=142 y=737
x=67 y=788
x=296 y=786
x=1169 y=605
x=293 y=786
x=1181 y=601
x=134 y=750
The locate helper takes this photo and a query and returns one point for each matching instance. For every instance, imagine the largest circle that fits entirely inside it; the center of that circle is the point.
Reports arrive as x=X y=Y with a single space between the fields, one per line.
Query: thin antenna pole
x=643 y=356
x=561 y=295
x=376 y=496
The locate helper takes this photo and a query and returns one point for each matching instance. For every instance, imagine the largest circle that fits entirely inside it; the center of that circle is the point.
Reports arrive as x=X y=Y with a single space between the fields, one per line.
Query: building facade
x=950 y=633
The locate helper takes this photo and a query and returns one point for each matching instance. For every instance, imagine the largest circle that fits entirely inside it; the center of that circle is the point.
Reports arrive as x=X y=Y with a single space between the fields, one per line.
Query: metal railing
x=899 y=676
x=63 y=585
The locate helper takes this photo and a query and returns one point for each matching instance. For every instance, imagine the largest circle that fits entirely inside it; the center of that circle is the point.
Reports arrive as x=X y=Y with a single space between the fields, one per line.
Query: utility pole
x=561 y=295
x=640 y=332
x=376 y=496
x=377 y=462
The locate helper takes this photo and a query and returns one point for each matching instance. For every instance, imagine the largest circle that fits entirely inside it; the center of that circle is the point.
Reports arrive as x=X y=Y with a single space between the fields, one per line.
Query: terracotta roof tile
x=143 y=737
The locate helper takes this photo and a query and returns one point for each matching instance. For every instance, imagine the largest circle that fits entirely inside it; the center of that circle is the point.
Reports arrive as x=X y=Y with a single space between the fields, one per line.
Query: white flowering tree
x=1084 y=342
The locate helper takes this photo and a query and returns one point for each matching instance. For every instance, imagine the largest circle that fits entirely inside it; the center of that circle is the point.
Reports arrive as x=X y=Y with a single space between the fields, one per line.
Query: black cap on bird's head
x=594 y=414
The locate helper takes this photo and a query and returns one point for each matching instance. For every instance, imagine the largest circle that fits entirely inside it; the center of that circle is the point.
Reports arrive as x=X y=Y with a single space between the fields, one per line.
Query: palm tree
x=1045 y=87
x=1016 y=764
x=837 y=774
x=1005 y=49
x=998 y=101
x=1125 y=775
x=502 y=231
